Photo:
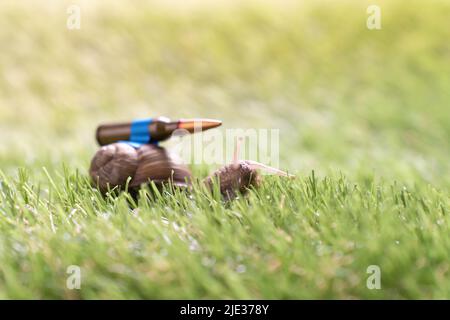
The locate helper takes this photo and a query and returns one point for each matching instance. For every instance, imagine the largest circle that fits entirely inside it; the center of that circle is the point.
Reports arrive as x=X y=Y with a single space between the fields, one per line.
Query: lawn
x=364 y=124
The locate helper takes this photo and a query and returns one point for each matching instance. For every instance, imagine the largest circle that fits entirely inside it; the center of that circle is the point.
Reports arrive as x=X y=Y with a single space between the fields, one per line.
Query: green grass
x=366 y=111
x=306 y=238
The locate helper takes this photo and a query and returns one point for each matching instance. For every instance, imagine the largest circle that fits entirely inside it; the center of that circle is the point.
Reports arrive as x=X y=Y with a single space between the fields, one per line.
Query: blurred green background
x=345 y=98
x=368 y=105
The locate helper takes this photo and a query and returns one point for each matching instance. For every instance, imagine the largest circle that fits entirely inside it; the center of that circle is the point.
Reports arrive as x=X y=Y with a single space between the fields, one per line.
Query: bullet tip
x=194 y=125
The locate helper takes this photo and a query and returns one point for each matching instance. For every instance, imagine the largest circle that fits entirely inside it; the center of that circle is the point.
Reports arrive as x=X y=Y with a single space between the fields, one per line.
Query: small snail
x=240 y=175
x=115 y=163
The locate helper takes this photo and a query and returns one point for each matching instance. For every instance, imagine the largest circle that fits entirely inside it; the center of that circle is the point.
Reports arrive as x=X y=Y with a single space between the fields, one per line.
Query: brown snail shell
x=113 y=164
x=159 y=165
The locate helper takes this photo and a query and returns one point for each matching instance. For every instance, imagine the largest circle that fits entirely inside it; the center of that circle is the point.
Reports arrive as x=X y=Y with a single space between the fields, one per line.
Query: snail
x=114 y=164
x=240 y=176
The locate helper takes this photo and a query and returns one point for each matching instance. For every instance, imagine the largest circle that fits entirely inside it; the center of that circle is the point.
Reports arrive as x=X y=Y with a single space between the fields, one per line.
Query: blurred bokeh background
x=345 y=98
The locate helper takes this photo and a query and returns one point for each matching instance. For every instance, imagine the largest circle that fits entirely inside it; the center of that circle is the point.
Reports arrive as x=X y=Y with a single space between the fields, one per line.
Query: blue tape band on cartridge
x=140 y=132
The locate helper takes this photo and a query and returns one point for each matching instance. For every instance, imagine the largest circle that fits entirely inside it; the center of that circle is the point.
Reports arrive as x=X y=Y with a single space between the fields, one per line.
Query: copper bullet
x=150 y=130
x=193 y=125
